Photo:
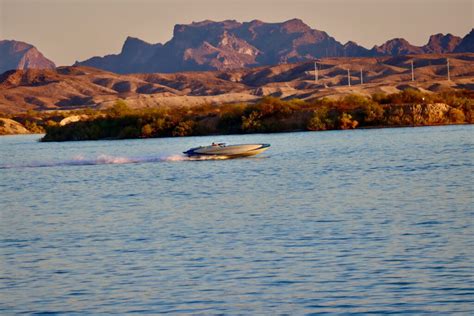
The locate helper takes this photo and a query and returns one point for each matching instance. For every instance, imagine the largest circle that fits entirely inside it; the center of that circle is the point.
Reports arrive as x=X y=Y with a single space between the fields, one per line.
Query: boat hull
x=231 y=151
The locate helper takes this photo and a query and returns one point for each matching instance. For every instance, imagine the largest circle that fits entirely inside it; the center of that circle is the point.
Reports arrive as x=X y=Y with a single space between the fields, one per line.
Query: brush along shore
x=269 y=115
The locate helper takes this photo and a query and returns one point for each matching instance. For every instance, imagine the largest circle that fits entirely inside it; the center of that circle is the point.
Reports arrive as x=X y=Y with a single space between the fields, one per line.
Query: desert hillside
x=85 y=87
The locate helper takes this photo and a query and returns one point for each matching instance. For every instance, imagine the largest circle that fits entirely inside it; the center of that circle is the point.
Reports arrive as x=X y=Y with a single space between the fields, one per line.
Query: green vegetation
x=407 y=108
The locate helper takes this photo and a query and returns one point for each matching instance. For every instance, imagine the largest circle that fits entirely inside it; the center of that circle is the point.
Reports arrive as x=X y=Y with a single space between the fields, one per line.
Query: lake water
x=365 y=221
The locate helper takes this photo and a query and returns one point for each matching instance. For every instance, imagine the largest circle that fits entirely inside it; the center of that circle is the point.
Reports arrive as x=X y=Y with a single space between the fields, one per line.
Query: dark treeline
x=407 y=108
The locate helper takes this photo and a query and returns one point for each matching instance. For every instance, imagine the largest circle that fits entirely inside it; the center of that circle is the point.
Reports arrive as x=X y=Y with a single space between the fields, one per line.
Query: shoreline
x=248 y=133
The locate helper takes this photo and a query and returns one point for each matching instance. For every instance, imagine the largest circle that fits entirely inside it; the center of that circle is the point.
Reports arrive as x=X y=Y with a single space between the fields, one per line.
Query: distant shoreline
x=409 y=108
x=280 y=132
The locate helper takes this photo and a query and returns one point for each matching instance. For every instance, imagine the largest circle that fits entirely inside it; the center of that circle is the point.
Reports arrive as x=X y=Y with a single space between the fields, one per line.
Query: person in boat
x=214 y=144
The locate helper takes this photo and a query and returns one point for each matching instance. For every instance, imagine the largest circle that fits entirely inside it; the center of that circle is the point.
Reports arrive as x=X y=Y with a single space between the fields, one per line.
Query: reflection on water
x=374 y=221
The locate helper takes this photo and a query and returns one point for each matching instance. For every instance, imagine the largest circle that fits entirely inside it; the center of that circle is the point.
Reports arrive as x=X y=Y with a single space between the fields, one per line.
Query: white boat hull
x=230 y=151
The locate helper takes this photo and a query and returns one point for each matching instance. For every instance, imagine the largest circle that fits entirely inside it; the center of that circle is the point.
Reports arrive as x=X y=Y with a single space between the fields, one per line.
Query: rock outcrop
x=20 y=55
x=72 y=119
x=440 y=43
x=467 y=43
x=396 y=47
x=11 y=127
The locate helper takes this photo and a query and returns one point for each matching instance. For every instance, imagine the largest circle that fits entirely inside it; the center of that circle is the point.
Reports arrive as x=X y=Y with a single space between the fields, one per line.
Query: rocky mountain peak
x=397 y=46
x=295 y=26
x=21 y=55
x=466 y=44
x=440 y=43
x=132 y=44
x=350 y=44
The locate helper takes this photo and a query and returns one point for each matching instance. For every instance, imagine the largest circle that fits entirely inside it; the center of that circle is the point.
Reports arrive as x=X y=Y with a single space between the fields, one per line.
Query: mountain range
x=226 y=45
x=229 y=44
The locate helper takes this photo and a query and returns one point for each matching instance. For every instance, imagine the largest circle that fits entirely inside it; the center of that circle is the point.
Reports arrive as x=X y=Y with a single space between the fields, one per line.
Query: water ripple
x=365 y=222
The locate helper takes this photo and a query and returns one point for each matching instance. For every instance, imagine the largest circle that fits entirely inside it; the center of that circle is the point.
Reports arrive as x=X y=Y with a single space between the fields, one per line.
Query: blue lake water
x=365 y=221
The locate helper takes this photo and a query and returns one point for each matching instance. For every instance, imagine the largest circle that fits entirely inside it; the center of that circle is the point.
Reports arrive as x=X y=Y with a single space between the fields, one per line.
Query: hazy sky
x=70 y=30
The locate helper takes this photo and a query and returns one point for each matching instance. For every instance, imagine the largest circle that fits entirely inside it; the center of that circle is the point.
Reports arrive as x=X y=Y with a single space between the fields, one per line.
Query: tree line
x=269 y=115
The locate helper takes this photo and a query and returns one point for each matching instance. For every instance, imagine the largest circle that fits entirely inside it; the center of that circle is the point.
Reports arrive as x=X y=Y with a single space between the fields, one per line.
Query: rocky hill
x=440 y=43
x=20 y=55
x=229 y=44
x=81 y=87
x=467 y=43
x=11 y=127
x=396 y=47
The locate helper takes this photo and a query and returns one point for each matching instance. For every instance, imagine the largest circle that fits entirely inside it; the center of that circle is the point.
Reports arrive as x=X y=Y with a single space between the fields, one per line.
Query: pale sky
x=70 y=30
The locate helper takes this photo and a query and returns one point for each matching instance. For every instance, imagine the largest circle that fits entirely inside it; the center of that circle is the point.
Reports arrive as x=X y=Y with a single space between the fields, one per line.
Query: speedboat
x=229 y=151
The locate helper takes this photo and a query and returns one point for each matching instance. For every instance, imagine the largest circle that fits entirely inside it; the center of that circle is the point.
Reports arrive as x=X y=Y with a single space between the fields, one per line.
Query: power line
x=316 y=75
x=447 y=64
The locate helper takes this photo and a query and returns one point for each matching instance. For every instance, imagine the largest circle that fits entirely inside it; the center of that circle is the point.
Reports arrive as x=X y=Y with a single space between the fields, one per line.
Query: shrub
x=252 y=123
x=33 y=127
x=147 y=130
x=373 y=113
x=408 y=96
x=51 y=123
x=184 y=128
x=380 y=98
x=319 y=120
x=456 y=116
x=206 y=126
x=394 y=116
x=355 y=100
x=346 y=121
x=129 y=132
x=120 y=108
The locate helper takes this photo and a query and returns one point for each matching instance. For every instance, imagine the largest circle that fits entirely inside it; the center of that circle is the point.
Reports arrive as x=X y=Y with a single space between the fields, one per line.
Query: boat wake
x=111 y=160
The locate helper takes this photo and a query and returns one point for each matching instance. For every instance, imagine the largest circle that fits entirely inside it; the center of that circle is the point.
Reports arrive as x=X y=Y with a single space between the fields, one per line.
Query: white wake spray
x=80 y=160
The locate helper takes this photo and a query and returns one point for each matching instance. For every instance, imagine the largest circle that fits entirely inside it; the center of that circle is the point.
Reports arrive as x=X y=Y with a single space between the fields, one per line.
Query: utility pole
x=316 y=75
x=361 y=77
x=348 y=78
x=447 y=63
x=412 y=73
